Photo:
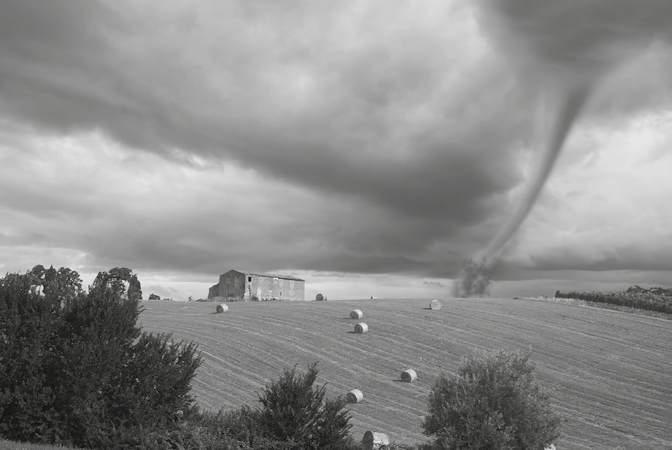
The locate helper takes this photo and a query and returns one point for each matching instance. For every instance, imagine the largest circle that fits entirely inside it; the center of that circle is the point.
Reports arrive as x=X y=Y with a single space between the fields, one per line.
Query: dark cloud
x=339 y=137
x=194 y=222
x=618 y=257
x=43 y=31
x=576 y=38
x=352 y=132
x=565 y=50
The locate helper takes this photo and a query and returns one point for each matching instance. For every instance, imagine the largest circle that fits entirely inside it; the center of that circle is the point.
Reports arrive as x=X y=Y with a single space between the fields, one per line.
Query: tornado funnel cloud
x=568 y=108
x=476 y=275
x=563 y=48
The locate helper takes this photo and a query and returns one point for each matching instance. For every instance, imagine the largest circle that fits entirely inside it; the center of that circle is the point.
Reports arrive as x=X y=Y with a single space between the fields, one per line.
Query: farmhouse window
x=249 y=279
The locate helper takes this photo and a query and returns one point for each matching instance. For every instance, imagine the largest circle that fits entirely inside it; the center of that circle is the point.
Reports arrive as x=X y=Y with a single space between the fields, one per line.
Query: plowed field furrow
x=608 y=372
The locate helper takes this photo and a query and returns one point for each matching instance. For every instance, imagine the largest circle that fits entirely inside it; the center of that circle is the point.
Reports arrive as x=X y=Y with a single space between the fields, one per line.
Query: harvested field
x=608 y=371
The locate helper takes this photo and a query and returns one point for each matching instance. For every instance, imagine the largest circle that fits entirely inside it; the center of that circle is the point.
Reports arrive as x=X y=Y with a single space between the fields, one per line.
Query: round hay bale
x=361 y=327
x=373 y=440
x=354 y=396
x=222 y=308
x=435 y=304
x=320 y=297
x=356 y=314
x=408 y=376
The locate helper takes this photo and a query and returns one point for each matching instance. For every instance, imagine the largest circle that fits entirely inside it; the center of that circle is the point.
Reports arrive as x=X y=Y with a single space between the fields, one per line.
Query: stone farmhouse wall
x=236 y=285
x=232 y=284
x=268 y=287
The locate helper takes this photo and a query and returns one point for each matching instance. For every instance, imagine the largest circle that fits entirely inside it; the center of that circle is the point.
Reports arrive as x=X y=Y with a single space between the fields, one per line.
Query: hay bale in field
x=361 y=327
x=356 y=314
x=222 y=308
x=373 y=440
x=550 y=447
x=435 y=304
x=408 y=376
x=320 y=297
x=354 y=396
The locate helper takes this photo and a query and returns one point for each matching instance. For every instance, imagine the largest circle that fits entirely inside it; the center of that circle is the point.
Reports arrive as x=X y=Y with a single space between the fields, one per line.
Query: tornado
x=565 y=47
x=476 y=274
x=568 y=109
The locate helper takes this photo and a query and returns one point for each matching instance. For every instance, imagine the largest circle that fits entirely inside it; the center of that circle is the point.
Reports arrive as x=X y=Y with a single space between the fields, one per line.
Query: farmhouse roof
x=270 y=275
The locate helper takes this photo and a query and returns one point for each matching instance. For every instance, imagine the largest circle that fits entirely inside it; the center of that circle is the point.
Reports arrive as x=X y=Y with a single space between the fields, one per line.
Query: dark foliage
x=75 y=369
x=27 y=350
x=241 y=429
x=294 y=415
x=656 y=299
x=493 y=403
x=293 y=409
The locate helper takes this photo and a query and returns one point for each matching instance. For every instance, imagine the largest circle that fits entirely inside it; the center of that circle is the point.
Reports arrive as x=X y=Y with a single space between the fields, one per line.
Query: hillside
x=609 y=372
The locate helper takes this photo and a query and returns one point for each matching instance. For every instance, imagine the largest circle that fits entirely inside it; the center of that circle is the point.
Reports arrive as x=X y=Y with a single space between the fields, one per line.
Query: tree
x=63 y=284
x=293 y=410
x=121 y=281
x=493 y=403
x=28 y=326
x=76 y=369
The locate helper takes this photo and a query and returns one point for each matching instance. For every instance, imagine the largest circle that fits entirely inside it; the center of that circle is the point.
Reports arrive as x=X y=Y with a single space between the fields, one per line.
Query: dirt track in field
x=610 y=373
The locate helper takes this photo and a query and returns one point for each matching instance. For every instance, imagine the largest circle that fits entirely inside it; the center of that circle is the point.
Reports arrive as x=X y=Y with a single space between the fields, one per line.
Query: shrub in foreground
x=493 y=403
x=293 y=409
x=294 y=415
x=75 y=369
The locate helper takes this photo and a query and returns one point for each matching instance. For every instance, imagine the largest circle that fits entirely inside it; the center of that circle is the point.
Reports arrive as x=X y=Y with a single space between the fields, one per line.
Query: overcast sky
x=368 y=147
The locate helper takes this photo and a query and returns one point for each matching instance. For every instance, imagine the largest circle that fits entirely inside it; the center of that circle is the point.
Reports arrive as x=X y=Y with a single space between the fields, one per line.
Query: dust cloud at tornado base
x=475 y=278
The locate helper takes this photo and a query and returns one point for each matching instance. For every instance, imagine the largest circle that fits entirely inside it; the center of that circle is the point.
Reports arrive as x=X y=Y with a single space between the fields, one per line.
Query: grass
x=608 y=371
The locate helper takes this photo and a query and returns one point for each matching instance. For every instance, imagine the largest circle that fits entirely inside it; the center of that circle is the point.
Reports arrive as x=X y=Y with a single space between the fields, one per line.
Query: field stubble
x=608 y=372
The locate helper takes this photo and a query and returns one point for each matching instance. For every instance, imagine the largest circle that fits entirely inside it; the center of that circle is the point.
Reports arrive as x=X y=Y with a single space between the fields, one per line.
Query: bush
x=295 y=415
x=75 y=369
x=493 y=403
x=27 y=348
x=242 y=428
x=294 y=410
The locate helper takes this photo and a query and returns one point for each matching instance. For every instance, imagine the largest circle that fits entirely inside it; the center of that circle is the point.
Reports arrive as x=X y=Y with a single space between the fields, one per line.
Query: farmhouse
x=236 y=285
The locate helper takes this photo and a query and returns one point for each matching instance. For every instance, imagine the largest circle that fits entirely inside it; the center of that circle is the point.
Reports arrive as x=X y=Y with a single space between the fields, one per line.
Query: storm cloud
x=347 y=138
x=566 y=50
